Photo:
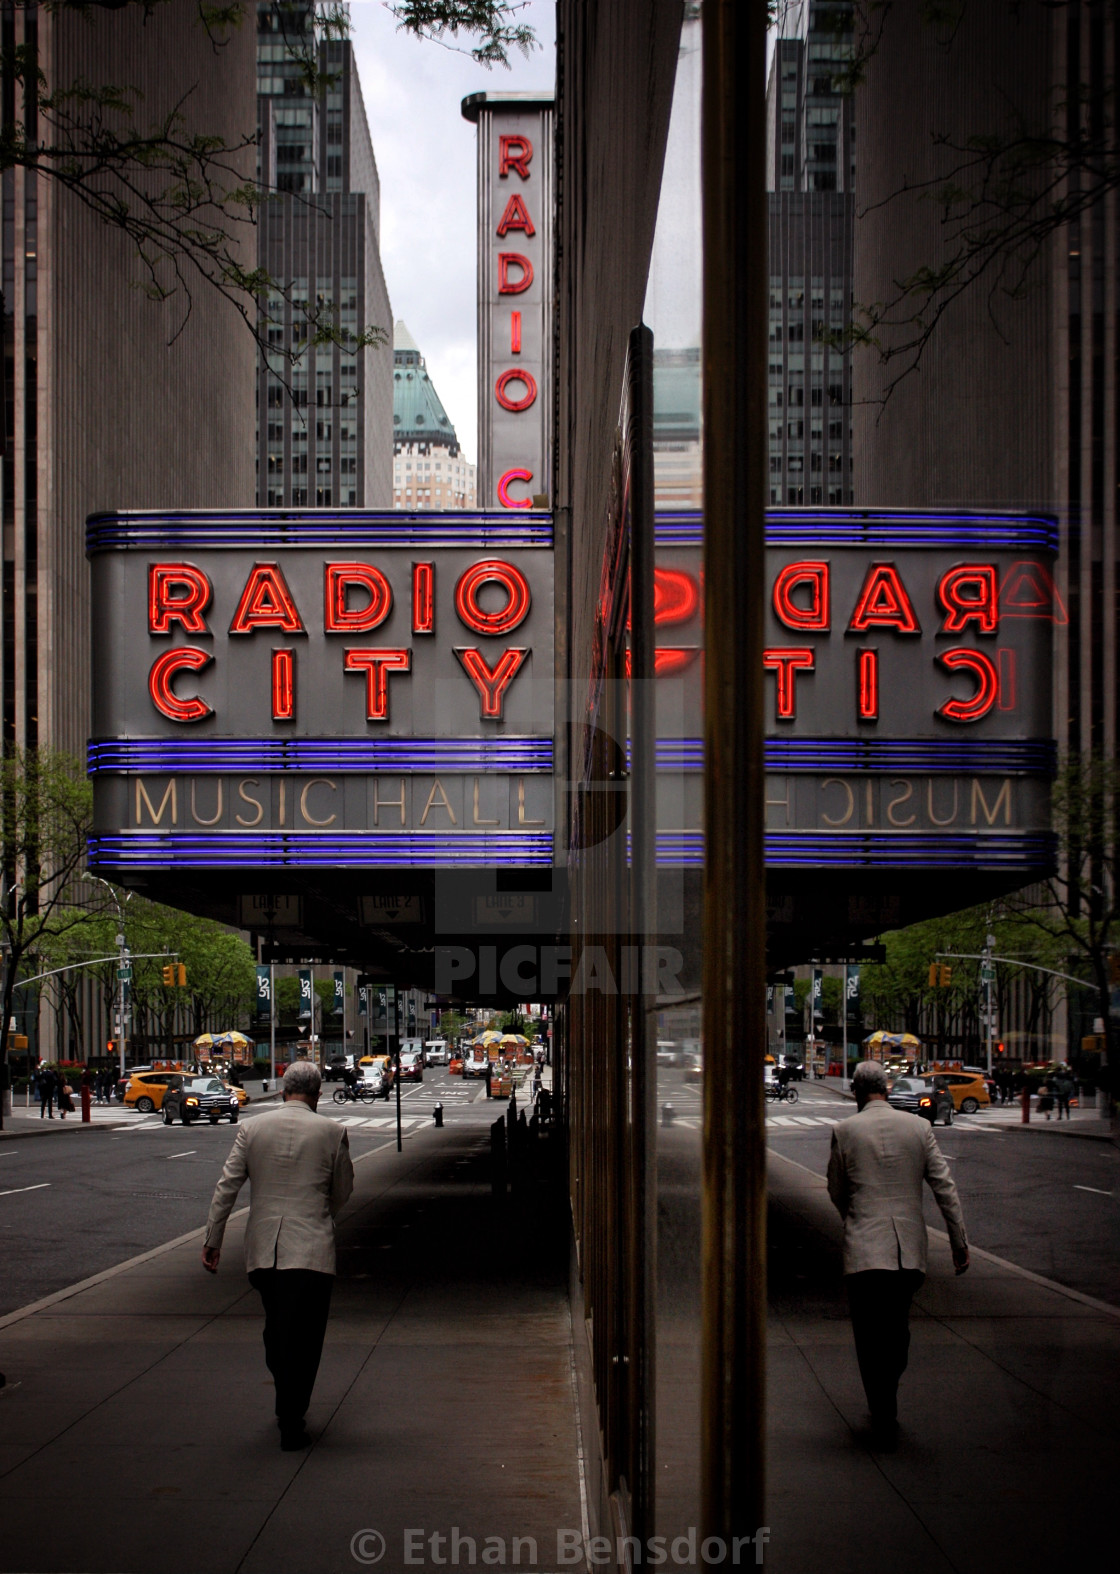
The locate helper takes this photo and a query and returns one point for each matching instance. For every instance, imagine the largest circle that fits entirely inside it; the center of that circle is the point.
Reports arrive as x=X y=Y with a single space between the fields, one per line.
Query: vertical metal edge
x=733 y=1271
x=643 y=928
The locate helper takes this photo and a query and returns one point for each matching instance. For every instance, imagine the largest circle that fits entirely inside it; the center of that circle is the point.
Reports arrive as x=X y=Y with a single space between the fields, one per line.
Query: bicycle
x=364 y=1093
x=786 y=1095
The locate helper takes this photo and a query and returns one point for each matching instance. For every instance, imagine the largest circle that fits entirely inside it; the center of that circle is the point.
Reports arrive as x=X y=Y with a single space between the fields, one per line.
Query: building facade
x=111 y=399
x=324 y=410
x=430 y=469
x=811 y=175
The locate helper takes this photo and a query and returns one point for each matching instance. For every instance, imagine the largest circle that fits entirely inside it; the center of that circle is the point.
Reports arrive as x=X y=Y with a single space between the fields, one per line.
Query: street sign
x=124 y=975
x=987 y=973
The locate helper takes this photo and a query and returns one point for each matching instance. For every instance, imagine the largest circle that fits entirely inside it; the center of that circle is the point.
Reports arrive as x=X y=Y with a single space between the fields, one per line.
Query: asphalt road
x=75 y=1203
x=1045 y=1202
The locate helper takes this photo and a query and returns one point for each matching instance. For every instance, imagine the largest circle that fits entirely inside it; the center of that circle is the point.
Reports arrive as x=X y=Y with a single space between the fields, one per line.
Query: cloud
x=426 y=159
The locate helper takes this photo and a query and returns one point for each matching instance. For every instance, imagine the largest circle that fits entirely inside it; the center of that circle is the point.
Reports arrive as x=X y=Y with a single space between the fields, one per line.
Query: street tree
x=179 y=192
x=46 y=811
x=1002 y=192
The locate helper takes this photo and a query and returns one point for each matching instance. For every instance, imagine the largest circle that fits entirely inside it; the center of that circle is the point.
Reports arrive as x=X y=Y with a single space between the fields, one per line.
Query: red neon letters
x=283 y=685
x=515 y=333
x=515 y=374
x=177 y=593
x=184 y=658
x=508 y=286
x=513 y=582
x=377 y=665
x=676 y=596
x=516 y=217
x=799 y=576
x=969 y=595
x=984 y=670
x=266 y=603
x=491 y=682
x=514 y=153
x=883 y=603
x=338 y=618
x=786 y=661
x=423 y=598
x=504 y=484
x=868 y=669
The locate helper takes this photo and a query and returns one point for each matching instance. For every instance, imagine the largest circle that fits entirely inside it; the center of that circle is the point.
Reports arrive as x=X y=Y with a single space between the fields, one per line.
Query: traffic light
x=940 y=976
x=169 y=976
x=999 y=1049
x=946 y=976
x=181 y=975
x=174 y=976
x=934 y=975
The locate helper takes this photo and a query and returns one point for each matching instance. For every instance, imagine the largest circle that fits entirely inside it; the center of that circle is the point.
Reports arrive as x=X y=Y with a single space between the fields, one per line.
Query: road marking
x=1095 y=1189
x=188 y=1154
x=10 y=1154
x=16 y=1189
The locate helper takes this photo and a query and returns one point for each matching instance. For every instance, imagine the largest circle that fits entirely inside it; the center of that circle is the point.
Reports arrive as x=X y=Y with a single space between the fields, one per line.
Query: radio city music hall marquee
x=372 y=690
x=350 y=689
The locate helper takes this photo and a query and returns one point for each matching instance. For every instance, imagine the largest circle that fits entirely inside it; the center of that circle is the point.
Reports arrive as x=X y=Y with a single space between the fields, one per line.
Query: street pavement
x=446 y=1400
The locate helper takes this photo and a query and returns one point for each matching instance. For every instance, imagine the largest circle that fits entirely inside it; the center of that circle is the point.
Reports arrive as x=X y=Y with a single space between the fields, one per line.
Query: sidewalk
x=444 y=1398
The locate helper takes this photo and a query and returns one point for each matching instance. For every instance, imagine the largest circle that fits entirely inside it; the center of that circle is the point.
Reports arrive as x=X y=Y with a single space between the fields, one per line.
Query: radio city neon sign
x=357 y=599
x=969 y=600
x=515 y=389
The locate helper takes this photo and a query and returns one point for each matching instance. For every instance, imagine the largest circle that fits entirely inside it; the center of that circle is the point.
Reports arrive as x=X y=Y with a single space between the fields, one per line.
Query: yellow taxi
x=146 y=1089
x=967 y=1089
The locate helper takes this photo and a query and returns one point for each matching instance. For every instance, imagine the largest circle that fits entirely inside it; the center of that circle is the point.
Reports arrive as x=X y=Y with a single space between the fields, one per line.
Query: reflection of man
x=879 y=1159
x=301 y=1175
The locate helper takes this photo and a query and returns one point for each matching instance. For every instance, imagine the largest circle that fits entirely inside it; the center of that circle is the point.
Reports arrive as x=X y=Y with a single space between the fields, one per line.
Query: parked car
x=921 y=1096
x=198 y=1098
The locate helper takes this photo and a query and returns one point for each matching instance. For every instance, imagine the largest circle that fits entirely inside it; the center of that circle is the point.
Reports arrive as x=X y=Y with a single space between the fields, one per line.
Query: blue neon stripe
x=332 y=529
x=113 y=756
x=1034 y=851
x=341 y=850
x=881 y=529
x=1005 y=757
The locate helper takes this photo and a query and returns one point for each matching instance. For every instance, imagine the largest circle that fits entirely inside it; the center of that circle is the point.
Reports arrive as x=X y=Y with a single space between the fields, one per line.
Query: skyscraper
x=324 y=411
x=811 y=172
x=104 y=406
x=430 y=470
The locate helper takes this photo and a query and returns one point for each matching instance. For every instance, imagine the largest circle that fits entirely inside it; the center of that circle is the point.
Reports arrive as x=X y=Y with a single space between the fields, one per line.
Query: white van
x=436 y=1052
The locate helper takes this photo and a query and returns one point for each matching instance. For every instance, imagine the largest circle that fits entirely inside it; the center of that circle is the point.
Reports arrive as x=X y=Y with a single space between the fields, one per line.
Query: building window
x=323 y=497
x=794 y=494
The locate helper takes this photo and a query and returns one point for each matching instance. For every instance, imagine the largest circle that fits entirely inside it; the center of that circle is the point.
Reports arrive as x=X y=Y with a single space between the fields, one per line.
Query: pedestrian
x=1064 y=1089
x=298 y=1165
x=47 y=1084
x=65 y=1102
x=1046 y=1098
x=879 y=1159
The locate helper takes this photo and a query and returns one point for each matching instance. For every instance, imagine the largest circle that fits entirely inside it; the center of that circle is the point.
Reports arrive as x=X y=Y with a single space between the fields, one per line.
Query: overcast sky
x=426 y=158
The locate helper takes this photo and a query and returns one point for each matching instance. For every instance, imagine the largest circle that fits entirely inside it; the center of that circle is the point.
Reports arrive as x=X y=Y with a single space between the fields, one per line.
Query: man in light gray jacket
x=299 y=1167
x=879 y=1159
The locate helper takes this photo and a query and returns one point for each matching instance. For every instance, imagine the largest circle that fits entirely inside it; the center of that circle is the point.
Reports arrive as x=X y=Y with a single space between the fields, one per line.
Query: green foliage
x=492 y=22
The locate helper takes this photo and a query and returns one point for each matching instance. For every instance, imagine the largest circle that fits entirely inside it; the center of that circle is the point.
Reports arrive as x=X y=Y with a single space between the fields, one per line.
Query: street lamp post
x=122 y=962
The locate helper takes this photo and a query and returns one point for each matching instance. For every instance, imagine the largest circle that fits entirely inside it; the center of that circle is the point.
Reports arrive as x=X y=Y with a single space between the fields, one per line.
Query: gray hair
x=869 y=1077
x=303 y=1078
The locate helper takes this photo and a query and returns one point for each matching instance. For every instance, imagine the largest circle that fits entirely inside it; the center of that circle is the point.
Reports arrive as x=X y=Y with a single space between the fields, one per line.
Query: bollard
x=438 y=1115
x=667 y=1113
x=1025 y=1106
x=86 y=1101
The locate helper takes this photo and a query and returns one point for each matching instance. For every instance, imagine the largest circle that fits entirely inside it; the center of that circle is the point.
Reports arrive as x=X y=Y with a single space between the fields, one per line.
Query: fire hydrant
x=438 y=1113
x=1025 y=1105
x=87 y=1098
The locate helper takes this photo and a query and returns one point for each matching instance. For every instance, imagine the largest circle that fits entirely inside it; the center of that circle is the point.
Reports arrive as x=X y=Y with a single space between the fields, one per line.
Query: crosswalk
x=694 y=1122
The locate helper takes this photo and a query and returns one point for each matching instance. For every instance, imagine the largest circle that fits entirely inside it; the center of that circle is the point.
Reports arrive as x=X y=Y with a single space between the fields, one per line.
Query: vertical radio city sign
x=514 y=297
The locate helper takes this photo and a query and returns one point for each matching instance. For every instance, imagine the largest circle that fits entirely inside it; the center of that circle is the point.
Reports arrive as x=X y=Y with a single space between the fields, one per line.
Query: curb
x=8 y=1135
x=1067 y=1130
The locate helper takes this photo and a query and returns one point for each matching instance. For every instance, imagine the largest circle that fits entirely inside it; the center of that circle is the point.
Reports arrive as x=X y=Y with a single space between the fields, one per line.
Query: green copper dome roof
x=418 y=415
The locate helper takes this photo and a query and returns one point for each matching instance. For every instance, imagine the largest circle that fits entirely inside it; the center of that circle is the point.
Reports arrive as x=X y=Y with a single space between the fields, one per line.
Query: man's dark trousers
x=297 y=1302
x=880 y=1306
